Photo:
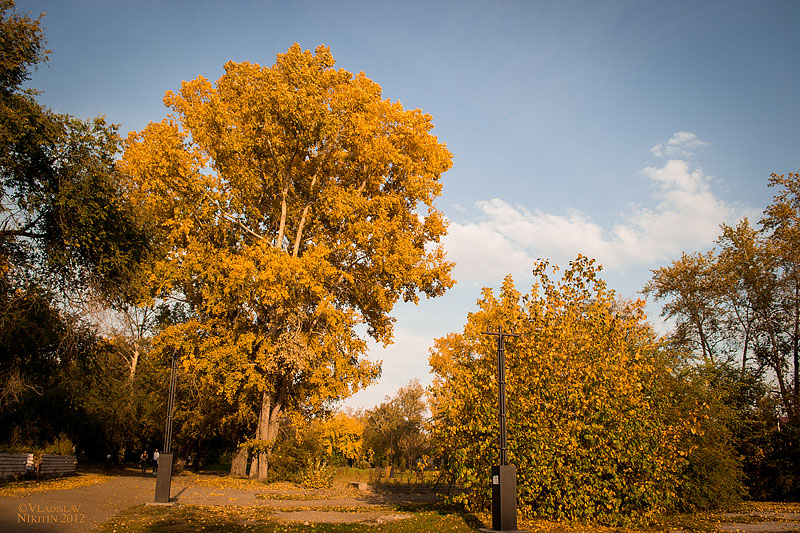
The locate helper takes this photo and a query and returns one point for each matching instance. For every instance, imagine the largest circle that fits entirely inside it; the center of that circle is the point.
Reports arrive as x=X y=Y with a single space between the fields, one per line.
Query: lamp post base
x=164 y=478
x=504 y=499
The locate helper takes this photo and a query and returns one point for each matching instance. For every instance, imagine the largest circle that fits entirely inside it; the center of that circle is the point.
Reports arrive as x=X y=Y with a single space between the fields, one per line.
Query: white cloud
x=484 y=249
x=681 y=145
x=405 y=358
x=496 y=238
x=682 y=214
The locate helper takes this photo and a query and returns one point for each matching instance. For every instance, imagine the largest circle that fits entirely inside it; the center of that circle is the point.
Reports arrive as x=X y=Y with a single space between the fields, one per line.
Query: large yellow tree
x=296 y=204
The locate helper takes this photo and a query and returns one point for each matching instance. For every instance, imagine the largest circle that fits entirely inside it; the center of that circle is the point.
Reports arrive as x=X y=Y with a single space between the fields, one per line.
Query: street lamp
x=504 y=476
x=164 y=479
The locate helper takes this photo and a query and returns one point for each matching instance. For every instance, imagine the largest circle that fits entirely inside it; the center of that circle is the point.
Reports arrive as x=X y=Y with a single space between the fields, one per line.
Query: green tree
x=30 y=344
x=63 y=215
x=295 y=204
x=743 y=298
x=395 y=430
x=67 y=232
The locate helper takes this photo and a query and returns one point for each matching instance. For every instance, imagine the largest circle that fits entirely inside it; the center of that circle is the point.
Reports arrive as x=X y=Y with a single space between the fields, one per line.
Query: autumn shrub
x=592 y=429
x=715 y=394
x=298 y=446
x=62 y=445
x=317 y=475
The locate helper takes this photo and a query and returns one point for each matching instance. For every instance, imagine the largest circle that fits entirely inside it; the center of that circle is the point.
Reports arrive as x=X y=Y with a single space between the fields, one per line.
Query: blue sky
x=626 y=131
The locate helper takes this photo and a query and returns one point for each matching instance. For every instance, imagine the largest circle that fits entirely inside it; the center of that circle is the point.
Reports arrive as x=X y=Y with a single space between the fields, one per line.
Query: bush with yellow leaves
x=591 y=426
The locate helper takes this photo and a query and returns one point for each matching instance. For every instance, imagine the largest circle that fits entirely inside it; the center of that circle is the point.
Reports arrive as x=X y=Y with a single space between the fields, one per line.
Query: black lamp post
x=164 y=479
x=504 y=475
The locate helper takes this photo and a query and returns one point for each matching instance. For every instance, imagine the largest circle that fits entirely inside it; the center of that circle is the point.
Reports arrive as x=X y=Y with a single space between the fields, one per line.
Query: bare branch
x=300 y=226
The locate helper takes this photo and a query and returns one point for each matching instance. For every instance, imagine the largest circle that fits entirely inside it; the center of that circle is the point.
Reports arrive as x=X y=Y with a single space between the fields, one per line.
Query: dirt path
x=85 y=508
x=79 y=509
x=761 y=522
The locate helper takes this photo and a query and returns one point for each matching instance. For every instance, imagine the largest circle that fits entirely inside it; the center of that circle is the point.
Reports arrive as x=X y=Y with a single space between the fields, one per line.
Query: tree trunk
x=266 y=431
x=282 y=226
x=258 y=468
x=134 y=361
x=239 y=463
x=744 y=351
x=704 y=343
x=777 y=366
x=300 y=226
x=796 y=406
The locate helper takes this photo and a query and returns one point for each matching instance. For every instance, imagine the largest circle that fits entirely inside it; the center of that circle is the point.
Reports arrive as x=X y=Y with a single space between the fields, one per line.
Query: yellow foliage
x=589 y=425
x=343 y=435
x=295 y=204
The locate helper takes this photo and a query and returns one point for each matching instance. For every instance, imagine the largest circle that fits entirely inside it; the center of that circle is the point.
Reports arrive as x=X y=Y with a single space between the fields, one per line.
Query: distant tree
x=754 y=305
x=343 y=438
x=745 y=298
x=296 y=205
x=692 y=288
x=395 y=430
x=781 y=223
x=745 y=283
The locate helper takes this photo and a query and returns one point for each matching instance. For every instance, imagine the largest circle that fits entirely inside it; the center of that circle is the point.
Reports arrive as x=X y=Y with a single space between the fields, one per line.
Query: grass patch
x=347 y=474
x=280 y=496
x=300 y=494
x=261 y=520
x=423 y=520
x=220 y=468
x=217 y=481
x=279 y=490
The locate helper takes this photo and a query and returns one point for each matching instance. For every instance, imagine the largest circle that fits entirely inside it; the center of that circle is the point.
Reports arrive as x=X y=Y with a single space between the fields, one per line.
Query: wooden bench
x=13 y=464
x=57 y=465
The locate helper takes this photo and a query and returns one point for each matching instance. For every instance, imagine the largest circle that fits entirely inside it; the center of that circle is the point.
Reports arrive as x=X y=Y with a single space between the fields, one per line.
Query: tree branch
x=21 y=233
x=282 y=226
x=300 y=226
